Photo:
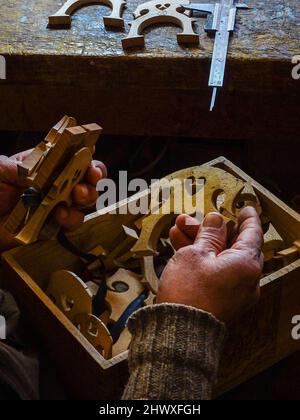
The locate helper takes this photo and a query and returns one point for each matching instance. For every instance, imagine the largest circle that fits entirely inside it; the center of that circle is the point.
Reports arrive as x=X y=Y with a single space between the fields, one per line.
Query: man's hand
x=213 y=269
x=83 y=195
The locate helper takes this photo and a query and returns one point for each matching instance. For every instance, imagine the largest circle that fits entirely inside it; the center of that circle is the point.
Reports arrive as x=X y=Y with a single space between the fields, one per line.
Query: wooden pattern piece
x=62 y=18
x=93 y=132
x=154 y=12
x=31 y=164
x=96 y=332
x=29 y=171
x=247 y=197
x=118 y=301
x=68 y=139
x=59 y=193
x=40 y=169
x=216 y=181
x=69 y=293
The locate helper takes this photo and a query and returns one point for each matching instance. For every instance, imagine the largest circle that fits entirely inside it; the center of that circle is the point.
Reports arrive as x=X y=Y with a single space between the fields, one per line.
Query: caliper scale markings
x=220 y=21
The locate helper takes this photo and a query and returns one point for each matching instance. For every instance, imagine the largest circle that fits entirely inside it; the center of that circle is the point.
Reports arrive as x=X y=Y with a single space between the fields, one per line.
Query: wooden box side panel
x=262 y=336
x=86 y=374
x=289 y=307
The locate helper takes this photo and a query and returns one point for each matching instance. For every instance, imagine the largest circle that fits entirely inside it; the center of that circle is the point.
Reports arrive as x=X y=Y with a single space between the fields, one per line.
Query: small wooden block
x=93 y=133
x=283 y=257
x=290 y=254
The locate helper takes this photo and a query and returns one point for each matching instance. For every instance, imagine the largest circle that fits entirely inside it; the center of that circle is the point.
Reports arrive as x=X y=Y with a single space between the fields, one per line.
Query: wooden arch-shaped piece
x=217 y=182
x=155 y=12
x=62 y=18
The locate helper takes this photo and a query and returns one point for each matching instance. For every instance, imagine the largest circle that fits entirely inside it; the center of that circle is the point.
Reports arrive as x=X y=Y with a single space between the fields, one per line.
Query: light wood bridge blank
x=155 y=12
x=62 y=18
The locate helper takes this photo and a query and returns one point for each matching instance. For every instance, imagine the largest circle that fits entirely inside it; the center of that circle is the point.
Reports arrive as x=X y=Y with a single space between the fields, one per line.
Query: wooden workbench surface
x=84 y=71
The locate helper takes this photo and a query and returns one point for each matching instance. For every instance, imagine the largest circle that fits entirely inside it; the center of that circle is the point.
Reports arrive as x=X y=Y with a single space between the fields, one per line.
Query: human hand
x=83 y=195
x=213 y=269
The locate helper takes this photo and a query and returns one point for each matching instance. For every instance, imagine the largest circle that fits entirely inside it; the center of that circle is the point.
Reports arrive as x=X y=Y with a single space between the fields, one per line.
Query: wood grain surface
x=157 y=90
x=270 y=29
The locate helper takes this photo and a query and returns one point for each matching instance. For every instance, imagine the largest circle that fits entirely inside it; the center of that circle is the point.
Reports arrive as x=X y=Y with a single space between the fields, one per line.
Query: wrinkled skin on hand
x=83 y=195
x=215 y=269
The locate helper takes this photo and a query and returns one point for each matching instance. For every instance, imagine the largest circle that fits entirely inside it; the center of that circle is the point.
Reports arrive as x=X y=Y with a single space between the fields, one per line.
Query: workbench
x=160 y=90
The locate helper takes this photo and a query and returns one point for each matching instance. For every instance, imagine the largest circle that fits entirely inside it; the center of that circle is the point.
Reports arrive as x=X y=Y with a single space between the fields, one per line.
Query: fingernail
x=213 y=220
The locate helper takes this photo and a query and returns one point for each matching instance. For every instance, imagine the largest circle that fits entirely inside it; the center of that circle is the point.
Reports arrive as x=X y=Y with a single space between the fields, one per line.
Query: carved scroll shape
x=62 y=18
x=153 y=12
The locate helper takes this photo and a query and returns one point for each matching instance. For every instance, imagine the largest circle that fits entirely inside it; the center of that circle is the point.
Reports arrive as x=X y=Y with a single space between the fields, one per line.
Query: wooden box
x=256 y=341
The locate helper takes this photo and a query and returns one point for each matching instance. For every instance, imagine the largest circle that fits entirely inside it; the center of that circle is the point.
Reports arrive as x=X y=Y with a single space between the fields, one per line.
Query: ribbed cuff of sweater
x=174 y=353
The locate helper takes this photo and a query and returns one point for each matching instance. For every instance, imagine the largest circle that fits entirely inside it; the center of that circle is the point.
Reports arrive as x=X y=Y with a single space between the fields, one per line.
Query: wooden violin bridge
x=63 y=17
x=154 y=12
x=69 y=293
x=96 y=332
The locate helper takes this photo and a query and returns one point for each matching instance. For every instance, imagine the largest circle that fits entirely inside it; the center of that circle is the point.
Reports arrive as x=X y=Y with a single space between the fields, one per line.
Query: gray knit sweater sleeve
x=174 y=353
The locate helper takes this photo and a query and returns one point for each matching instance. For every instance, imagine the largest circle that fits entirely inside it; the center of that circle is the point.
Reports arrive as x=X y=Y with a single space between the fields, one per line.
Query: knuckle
x=256 y=268
x=189 y=253
x=254 y=262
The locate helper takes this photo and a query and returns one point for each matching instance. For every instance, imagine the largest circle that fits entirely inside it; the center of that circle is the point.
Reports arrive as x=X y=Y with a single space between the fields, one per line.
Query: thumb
x=212 y=237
